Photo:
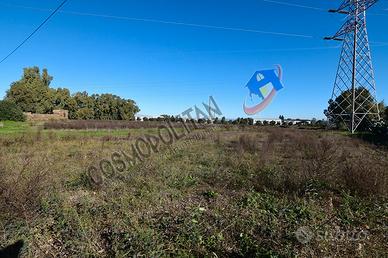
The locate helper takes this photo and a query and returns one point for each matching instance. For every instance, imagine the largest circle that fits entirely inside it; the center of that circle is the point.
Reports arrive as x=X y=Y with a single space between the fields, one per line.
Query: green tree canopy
x=32 y=93
x=365 y=103
x=10 y=111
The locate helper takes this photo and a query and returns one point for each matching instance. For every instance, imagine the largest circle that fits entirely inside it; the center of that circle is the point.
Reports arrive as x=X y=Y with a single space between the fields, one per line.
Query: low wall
x=57 y=115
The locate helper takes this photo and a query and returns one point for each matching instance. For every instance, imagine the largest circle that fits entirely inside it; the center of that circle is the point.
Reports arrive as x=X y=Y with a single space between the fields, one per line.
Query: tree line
x=365 y=102
x=237 y=121
x=32 y=93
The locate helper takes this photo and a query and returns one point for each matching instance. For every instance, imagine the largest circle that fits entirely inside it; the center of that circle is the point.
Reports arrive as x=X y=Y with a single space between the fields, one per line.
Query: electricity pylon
x=354 y=99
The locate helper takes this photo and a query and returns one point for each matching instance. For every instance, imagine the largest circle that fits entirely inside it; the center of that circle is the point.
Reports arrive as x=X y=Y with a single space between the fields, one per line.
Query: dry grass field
x=225 y=192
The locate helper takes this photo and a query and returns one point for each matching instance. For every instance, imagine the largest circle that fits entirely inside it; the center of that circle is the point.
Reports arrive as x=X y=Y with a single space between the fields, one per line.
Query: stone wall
x=58 y=114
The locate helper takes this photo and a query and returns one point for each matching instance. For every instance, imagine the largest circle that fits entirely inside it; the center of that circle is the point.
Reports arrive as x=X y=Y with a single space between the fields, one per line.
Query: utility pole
x=353 y=100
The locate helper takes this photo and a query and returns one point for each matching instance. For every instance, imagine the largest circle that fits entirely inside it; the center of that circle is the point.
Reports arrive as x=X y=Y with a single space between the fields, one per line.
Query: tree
x=32 y=93
x=83 y=107
x=10 y=111
x=46 y=78
x=63 y=100
x=128 y=109
x=85 y=113
x=364 y=103
x=321 y=123
x=385 y=115
x=101 y=107
x=108 y=107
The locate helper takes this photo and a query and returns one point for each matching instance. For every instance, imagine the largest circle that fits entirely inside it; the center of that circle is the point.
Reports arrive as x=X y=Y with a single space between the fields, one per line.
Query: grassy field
x=230 y=192
x=12 y=128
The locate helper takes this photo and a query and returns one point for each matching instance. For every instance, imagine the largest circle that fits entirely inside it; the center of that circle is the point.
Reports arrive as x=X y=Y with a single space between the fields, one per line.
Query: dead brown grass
x=229 y=193
x=302 y=157
x=21 y=191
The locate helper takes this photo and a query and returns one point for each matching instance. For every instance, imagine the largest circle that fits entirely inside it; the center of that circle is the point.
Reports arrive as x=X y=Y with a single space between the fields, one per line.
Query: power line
x=268 y=50
x=294 y=5
x=36 y=30
x=312 y=7
x=192 y=24
x=170 y=22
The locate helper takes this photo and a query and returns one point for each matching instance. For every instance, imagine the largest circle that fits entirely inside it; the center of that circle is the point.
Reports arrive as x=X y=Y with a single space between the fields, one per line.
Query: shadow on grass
x=379 y=138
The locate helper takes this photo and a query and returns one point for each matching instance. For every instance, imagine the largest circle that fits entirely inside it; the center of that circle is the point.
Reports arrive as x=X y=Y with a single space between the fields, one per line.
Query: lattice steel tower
x=354 y=99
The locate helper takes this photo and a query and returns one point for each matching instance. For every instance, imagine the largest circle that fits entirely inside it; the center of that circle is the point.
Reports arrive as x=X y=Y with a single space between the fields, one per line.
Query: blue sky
x=169 y=55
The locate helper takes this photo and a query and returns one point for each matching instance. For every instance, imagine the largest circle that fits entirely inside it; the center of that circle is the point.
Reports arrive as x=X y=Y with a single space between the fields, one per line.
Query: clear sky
x=169 y=55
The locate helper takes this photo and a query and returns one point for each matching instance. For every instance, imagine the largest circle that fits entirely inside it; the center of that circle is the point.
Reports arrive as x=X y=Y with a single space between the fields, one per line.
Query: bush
x=379 y=134
x=21 y=189
x=10 y=111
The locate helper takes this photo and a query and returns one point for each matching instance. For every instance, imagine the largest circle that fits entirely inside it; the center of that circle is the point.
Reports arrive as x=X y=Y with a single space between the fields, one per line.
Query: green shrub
x=10 y=111
x=379 y=134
